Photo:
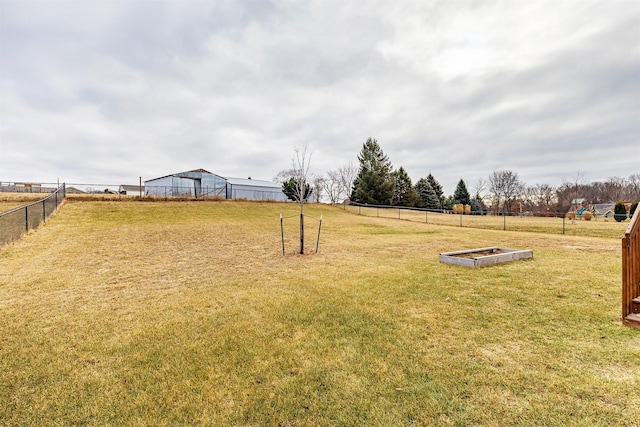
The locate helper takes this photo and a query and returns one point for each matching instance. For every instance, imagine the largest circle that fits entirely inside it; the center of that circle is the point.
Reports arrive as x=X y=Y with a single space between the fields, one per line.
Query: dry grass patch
x=10 y=201
x=133 y=313
x=599 y=227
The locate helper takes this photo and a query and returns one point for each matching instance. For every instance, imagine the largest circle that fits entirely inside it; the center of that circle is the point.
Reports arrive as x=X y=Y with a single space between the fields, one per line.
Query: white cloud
x=111 y=91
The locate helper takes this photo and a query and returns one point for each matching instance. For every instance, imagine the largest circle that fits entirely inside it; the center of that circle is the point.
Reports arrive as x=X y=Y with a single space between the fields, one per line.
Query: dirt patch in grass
x=475 y=254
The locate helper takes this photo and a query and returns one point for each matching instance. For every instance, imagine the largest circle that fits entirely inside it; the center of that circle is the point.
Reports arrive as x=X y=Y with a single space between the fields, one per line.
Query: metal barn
x=202 y=183
x=254 y=189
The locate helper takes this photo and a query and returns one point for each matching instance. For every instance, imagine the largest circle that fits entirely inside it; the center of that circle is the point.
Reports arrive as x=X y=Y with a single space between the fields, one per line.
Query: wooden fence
x=631 y=273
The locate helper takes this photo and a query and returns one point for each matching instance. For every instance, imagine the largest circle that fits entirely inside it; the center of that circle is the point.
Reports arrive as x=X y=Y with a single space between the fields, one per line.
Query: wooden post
x=301 y=233
x=282 y=233
x=319 y=228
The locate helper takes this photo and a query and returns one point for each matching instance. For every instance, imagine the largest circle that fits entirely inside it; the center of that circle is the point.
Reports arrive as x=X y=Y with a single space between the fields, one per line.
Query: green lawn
x=187 y=313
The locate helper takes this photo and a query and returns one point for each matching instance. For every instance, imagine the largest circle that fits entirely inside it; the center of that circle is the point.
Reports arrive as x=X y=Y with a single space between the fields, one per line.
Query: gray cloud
x=109 y=91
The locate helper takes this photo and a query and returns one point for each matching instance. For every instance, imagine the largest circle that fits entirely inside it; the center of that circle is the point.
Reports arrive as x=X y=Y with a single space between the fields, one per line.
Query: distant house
x=202 y=183
x=605 y=210
x=131 y=190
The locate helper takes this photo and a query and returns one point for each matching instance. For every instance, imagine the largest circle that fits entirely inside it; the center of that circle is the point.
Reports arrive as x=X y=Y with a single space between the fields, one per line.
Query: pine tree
x=461 y=195
x=428 y=197
x=403 y=193
x=620 y=212
x=292 y=190
x=437 y=188
x=374 y=184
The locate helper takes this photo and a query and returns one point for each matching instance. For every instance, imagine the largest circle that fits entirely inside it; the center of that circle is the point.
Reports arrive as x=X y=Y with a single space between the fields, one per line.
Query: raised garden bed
x=482 y=257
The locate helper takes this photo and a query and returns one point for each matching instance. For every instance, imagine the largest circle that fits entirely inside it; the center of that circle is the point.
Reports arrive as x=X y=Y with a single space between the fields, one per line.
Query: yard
x=187 y=313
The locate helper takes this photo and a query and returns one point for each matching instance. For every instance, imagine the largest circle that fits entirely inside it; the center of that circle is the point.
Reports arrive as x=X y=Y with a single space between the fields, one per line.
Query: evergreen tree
x=293 y=191
x=403 y=193
x=428 y=197
x=461 y=195
x=374 y=184
x=448 y=202
x=620 y=212
x=437 y=188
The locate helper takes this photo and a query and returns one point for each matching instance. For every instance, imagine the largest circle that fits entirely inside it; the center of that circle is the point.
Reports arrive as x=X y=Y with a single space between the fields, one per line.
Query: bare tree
x=634 y=187
x=543 y=196
x=284 y=176
x=301 y=166
x=332 y=186
x=570 y=190
x=318 y=187
x=615 y=189
x=339 y=182
x=347 y=174
x=479 y=188
x=505 y=187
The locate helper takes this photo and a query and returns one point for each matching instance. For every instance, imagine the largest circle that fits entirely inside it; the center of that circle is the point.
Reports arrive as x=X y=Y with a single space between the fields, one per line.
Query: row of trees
x=374 y=181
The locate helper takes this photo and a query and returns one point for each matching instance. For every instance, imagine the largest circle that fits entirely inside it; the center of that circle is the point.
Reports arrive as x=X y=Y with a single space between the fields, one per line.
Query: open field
x=597 y=227
x=148 y=313
x=9 y=201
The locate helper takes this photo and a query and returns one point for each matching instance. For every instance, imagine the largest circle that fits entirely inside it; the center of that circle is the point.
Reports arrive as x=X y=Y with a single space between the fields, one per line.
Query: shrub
x=461 y=209
x=620 y=212
x=587 y=216
x=633 y=208
x=571 y=215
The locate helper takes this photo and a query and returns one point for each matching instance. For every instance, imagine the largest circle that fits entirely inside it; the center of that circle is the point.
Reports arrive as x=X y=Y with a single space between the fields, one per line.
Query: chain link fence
x=542 y=222
x=18 y=221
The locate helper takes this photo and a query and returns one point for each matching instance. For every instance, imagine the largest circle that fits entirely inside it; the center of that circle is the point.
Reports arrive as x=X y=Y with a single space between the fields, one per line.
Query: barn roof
x=233 y=181
x=252 y=182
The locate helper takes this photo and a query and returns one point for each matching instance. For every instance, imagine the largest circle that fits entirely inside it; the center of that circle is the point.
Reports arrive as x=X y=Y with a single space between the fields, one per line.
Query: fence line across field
x=531 y=221
x=18 y=221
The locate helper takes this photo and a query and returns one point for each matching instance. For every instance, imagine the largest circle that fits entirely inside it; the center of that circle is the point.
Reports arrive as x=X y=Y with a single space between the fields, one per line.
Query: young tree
x=301 y=166
x=373 y=184
x=437 y=188
x=403 y=193
x=428 y=197
x=461 y=195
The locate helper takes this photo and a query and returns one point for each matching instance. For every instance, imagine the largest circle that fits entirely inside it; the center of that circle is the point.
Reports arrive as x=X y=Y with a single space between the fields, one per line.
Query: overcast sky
x=109 y=91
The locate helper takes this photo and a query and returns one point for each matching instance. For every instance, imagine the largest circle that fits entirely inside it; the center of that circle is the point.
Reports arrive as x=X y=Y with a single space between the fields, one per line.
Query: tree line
x=373 y=180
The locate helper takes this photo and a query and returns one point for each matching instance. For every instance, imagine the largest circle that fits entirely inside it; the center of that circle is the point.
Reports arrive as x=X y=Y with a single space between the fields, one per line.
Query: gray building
x=202 y=183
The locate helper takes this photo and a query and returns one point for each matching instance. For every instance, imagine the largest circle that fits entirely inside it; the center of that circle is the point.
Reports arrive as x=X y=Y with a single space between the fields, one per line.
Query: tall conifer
x=373 y=184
